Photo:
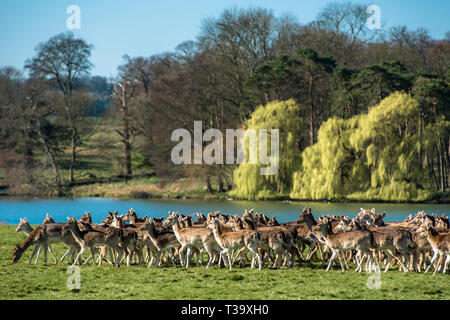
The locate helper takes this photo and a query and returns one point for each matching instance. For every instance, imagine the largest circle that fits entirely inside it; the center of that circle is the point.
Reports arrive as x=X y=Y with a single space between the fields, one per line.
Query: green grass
x=40 y=281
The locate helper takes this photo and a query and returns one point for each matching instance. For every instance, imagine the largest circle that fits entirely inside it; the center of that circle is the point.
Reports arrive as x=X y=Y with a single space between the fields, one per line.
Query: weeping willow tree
x=330 y=168
x=249 y=183
x=375 y=156
x=388 y=137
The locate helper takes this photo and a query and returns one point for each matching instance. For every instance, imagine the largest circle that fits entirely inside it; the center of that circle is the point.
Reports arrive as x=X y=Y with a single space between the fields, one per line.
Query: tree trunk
x=208 y=184
x=441 y=167
x=221 y=183
x=47 y=150
x=122 y=93
x=126 y=139
x=311 y=111
x=431 y=168
x=74 y=144
x=74 y=137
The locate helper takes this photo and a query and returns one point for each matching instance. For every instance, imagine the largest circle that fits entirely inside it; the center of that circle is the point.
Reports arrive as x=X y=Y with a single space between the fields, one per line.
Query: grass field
x=40 y=281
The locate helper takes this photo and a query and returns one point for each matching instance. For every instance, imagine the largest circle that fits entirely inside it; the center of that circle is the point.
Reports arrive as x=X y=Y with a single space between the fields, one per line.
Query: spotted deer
x=233 y=240
x=440 y=244
x=132 y=217
x=92 y=238
x=163 y=240
x=25 y=226
x=193 y=239
x=129 y=238
x=270 y=239
x=360 y=240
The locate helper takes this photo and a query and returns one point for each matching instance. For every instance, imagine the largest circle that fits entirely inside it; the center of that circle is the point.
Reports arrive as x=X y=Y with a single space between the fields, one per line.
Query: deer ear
x=383 y=214
x=362 y=210
x=68 y=219
x=373 y=210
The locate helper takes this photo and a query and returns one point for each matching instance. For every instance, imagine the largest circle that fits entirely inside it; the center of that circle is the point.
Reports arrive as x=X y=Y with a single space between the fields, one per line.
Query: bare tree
x=63 y=59
x=124 y=91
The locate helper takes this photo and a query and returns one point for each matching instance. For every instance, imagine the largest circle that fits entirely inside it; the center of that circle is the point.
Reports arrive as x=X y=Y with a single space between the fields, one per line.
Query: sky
x=147 y=27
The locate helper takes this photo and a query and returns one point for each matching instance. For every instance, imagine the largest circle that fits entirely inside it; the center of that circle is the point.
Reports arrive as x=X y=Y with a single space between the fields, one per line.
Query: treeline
x=334 y=69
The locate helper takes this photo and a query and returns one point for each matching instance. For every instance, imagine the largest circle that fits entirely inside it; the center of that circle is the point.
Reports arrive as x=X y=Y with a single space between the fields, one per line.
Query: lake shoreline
x=224 y=197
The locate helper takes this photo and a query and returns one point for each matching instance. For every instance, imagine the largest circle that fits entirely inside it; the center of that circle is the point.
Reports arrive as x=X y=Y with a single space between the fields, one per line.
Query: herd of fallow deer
x=418 y=243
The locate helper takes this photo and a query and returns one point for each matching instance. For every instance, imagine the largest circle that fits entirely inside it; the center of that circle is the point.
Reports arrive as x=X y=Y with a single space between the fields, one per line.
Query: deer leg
x=45 y=252
x=389 y=258
x=38 y=253
x=158 y=259
x=67 y=254
x=288 y=258
x=92 y=252
x=433 y=259
x=83 y=249
x=340 y=256
x=343 y=258
x=312 y=248
x=198 y=253
x=226 y=254
x=210 y=255
x=53 y=254
x=180 y=253
x=36 y=248
x=447 y=260
x=188 y=256
x=375 y=260
x=169 y=252
x=120 y=252
x=333 y=257
x=359 y=261
x=438 y=265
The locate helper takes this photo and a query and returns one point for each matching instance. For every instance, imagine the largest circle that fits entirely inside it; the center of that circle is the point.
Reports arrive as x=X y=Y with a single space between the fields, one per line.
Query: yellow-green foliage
x=329 y=168
x=368 y=157
x=282 y=115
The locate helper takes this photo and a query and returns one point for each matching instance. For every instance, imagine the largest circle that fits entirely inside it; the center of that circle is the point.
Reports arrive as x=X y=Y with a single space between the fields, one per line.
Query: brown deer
x=270 y=239
x=132 y=217
x=360 y=240
x=236 y=240
x=91 y=238
x=109 y=218
x=163 y=240
x=392 y=241
x=192 y=239
x=441 y=248
x=53 y=233
x=38 y=237
x=25 y=226
x=129 y=238
x=200 y=220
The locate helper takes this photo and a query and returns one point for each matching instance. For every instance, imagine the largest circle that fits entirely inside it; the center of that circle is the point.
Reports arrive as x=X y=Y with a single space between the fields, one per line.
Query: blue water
x=11 y=209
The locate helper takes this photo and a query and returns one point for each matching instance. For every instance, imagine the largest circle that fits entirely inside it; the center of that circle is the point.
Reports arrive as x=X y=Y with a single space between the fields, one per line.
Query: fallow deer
x=91 y=238
x=162 y=239
x=235 y=240
x=441 y=248
x=339 y=242
x=192 y=238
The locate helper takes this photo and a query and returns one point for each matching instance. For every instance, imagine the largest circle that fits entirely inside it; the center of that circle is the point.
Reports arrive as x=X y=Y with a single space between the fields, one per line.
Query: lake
x=11 y=208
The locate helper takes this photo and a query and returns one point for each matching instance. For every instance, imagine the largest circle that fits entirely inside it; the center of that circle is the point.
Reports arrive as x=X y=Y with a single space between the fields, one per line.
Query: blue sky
x=146 y=27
